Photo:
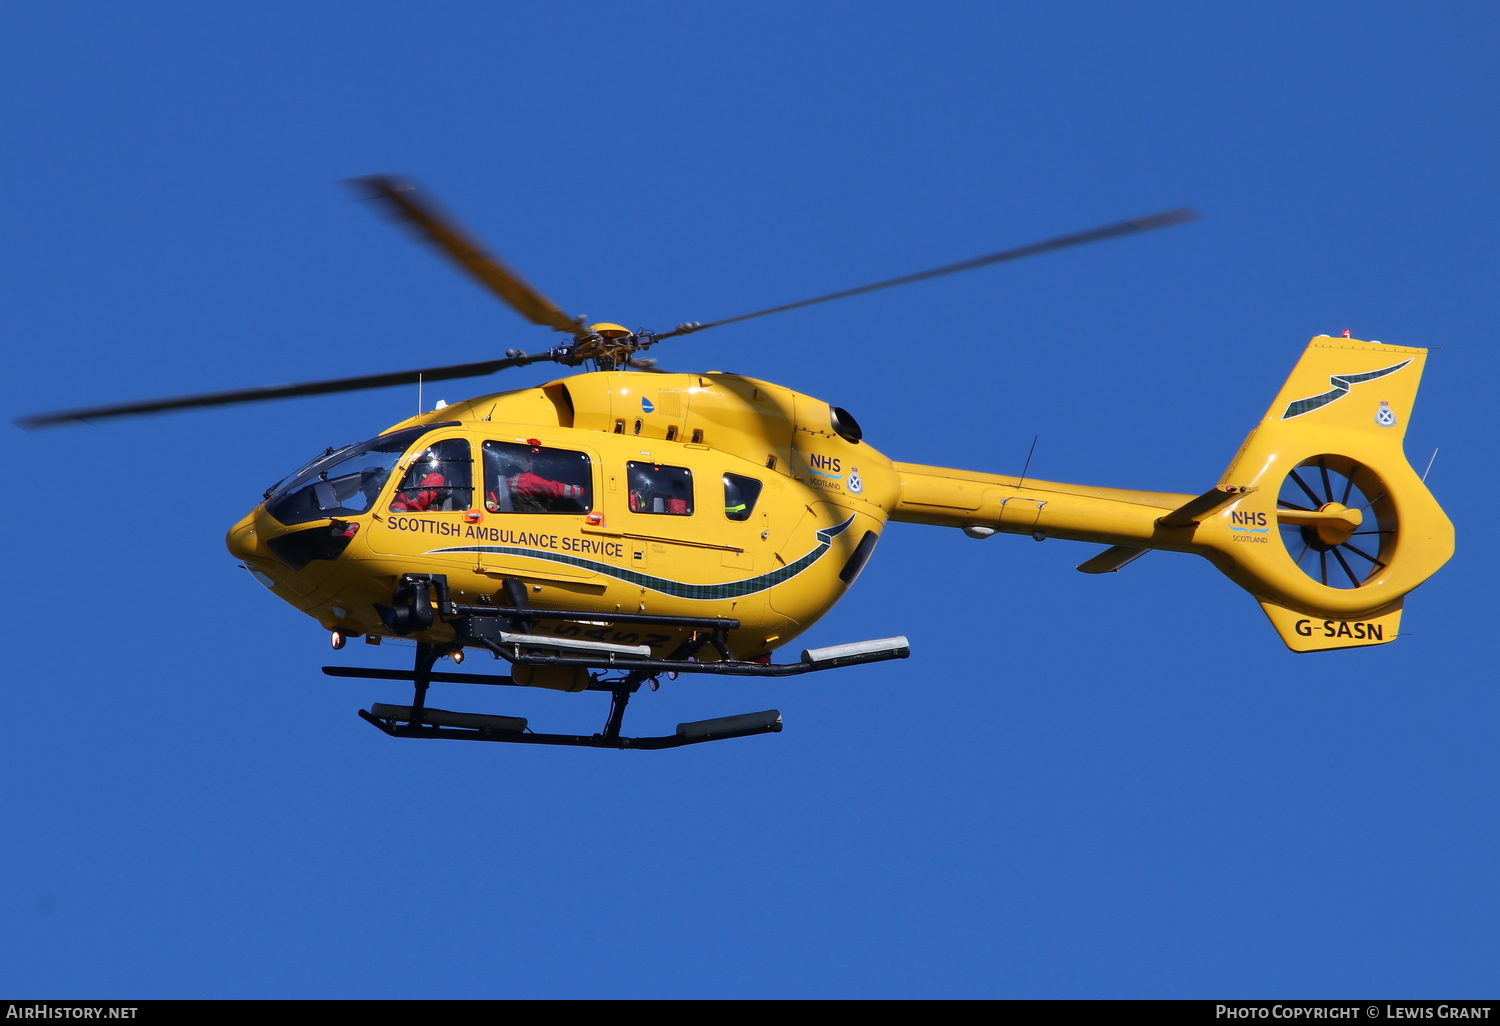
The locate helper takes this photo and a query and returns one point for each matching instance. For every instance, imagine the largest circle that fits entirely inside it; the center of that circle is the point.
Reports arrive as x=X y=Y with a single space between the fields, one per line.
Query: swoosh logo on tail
x=1341 y=384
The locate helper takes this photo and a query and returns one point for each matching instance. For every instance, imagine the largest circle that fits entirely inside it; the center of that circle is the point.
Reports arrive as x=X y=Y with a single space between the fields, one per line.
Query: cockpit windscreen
x=343 y=483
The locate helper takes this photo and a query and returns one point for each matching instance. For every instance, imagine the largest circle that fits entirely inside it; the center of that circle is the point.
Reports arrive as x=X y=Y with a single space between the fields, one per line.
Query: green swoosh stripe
x=705 y=592
x=1341 y=384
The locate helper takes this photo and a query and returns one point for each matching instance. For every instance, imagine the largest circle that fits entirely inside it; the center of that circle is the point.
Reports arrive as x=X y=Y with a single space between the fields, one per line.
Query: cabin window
x=440 y=480
x=740 y=494
x=658 y=489
x=342 y=482
x=536 y=479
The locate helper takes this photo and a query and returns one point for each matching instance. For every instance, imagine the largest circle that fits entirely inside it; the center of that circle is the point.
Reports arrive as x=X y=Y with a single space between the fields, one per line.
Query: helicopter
x=623 y=523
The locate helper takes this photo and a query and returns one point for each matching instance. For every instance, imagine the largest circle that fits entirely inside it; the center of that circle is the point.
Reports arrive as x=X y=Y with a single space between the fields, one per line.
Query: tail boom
x=1340 y=416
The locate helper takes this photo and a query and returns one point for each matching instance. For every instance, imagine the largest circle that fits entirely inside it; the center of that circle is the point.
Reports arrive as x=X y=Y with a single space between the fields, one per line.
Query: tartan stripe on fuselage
x=677 y=589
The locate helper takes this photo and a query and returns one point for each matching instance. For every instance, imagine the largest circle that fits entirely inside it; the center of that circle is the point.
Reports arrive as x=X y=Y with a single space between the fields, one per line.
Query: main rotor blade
x=400 y=198
x=1110 y=231
x=251 y=395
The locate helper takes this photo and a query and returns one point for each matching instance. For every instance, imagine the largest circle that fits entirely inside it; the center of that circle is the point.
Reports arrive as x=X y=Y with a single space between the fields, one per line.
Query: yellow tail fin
x=1337 y=527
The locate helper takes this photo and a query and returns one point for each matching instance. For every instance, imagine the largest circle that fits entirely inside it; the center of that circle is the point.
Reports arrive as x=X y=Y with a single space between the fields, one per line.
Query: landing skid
x=507 y=632
x=770 y=723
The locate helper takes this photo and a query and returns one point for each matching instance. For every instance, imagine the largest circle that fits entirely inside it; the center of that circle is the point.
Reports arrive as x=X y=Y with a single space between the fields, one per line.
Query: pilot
x=431 y=491
x=371 y=481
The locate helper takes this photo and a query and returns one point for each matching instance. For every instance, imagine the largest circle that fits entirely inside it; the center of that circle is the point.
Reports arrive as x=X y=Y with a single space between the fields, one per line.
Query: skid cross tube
x=436 y=678
x=421 y=677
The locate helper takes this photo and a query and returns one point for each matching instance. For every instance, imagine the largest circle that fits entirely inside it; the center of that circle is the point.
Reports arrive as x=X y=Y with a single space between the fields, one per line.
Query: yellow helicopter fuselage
x=776 y=568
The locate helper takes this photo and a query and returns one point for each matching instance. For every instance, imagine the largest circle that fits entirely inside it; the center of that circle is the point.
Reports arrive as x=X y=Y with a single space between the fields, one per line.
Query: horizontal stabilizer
x=1111 y=559
x=1207 y=504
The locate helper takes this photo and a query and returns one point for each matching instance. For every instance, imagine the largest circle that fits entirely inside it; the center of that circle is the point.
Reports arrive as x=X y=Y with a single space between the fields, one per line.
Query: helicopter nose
x=243 y=541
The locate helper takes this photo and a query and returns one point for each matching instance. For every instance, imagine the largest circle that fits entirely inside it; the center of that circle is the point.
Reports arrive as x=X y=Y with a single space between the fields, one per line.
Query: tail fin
x=1332 y=527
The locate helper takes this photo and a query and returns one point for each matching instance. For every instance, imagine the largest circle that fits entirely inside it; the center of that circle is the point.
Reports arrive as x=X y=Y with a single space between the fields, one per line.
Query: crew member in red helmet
x=519 y=489
x=436 y=481
x=428 y=493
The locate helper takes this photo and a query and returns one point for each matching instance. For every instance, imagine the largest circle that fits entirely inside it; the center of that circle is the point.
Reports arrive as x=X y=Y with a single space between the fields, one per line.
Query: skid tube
x=397 y=729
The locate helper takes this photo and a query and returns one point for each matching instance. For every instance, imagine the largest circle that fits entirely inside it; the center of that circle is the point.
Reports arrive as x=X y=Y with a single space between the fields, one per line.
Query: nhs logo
x=1244 y=521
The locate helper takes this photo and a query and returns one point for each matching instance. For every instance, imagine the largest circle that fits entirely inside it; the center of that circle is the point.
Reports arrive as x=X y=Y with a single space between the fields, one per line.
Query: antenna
x=1429 y=466
x=1028 y=462
x=419 y=395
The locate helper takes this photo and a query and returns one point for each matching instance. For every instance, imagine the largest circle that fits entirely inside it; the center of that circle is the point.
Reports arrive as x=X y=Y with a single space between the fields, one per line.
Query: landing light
x=338 y=639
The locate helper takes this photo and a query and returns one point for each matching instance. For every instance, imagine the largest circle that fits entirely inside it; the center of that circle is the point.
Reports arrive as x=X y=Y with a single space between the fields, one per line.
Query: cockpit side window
x=740 y=495
x=344 y=482
x=536 y=479
x=658 y=489
x=440 y=480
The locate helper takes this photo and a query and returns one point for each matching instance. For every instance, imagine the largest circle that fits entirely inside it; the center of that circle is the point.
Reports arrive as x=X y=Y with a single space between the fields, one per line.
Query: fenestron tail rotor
x=1337 y=522
x=606 y=346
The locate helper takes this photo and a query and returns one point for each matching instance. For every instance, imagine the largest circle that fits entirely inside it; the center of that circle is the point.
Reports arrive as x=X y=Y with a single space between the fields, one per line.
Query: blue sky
x=1077 y=786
